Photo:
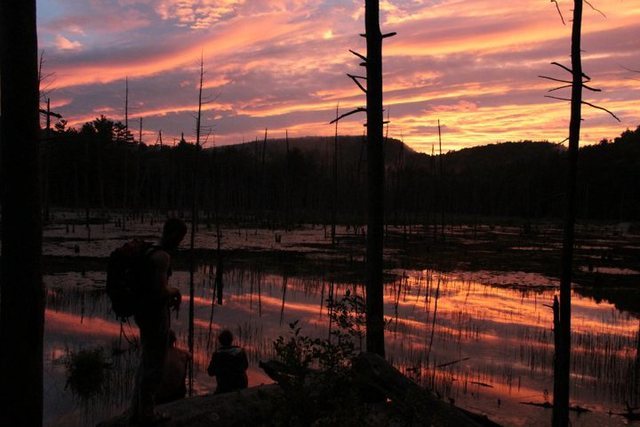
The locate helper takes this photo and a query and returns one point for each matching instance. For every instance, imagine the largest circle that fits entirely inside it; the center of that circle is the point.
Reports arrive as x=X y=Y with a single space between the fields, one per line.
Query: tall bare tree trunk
x=562 y=357
x=440 y=184
x=375 y=181
x=334 y=199
x=22 y=293
x=125 y=177
x=194 y=227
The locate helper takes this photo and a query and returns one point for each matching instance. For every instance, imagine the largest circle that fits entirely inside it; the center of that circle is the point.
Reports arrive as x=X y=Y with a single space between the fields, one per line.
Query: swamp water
x=488 y=348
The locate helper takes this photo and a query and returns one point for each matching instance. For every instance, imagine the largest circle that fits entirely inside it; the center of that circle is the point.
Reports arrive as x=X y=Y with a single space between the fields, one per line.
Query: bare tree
x=562 y=309
x=375 y=173
x=22 y=293
x=334 y=199
x=194 y=221
x=375 y=184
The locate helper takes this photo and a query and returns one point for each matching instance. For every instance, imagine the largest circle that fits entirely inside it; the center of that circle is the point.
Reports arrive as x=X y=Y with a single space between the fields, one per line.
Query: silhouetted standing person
x=229 y=365
x=153 y=319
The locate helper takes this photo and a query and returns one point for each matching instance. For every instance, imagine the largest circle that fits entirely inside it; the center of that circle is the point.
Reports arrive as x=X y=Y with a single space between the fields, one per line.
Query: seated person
x=229 y=365
x=173 y=385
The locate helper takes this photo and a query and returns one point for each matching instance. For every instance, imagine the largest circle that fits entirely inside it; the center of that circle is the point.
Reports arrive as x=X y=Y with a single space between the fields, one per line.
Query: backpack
x=125 y=272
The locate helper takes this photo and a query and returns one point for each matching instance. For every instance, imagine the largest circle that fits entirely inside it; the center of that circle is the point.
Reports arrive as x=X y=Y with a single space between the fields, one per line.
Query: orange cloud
x=474 y=65
x=230 y=38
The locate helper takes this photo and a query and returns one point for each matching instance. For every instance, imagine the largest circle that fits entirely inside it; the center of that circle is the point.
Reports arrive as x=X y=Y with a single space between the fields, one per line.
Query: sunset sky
x=473 y=64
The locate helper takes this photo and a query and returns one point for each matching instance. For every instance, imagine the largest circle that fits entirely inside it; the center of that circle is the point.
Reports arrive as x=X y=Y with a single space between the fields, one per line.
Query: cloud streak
x=282 y=64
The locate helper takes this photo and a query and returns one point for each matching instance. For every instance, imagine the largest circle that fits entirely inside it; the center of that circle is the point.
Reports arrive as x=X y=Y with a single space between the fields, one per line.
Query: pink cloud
x=282 y=64
x=63 y=43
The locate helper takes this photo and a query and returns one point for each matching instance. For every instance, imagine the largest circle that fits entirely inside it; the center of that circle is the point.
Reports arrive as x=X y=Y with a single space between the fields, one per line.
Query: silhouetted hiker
x=153 y=319
x=175 y=371
x=229 y=365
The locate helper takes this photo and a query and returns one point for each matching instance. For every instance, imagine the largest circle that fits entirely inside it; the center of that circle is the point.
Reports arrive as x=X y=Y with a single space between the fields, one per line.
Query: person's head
x=173 y=232
x=225 y=338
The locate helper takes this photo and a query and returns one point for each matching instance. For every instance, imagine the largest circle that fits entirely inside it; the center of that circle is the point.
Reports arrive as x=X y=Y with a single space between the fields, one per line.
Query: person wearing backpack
x=155 y=298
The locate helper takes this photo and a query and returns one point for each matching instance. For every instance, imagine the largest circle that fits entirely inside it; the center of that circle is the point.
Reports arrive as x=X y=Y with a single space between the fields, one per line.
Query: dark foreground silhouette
x=396 y=399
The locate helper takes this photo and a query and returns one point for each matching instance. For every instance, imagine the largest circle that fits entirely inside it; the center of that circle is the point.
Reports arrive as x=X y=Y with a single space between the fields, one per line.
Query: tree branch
x=592 y=89
x=342 y=116
x=50 y=113
x=585 y=103
x=558 y=98
x=364 y=58
x=562 y=66
x=559 y=87
x=597 y=10
x=559 y=11
x=355 y=80
x=570 y=70
x=555 y=80
x=601 y=108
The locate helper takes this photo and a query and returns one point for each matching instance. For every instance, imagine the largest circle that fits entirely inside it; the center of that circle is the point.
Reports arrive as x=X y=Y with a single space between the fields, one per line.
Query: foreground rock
x=253 y=406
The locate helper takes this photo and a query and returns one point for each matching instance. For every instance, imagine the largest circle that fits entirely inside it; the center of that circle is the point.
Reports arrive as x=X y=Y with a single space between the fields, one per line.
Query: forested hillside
x=101 y=166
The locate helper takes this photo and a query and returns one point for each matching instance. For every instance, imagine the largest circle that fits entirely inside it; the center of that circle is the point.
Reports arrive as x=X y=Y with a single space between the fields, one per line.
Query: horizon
x=474 y=67
x=207 y=145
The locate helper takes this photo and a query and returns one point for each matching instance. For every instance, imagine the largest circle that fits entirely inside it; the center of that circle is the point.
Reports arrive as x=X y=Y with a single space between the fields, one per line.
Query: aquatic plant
x=87 y=372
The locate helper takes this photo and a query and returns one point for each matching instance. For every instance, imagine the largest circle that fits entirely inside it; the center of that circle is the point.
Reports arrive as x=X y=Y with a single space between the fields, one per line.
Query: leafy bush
x=300 y=352
x=321 y=389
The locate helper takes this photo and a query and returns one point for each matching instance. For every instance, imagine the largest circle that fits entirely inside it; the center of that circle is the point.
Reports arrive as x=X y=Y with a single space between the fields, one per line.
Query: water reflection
x=487 y=348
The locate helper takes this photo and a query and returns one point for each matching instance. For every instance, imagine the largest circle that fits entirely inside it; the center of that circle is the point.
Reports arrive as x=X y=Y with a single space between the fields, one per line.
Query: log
x=252 y=406
x=575 y=408
x=372 y=372
x=281 y=373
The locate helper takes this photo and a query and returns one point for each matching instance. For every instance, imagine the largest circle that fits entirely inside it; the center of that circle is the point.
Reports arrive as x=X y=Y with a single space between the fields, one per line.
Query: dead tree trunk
x=562 y=357
x=334 y=200
x=125 y=178
x=194 y=221
x=440 y=184
x=22 y=293
x=375 y=181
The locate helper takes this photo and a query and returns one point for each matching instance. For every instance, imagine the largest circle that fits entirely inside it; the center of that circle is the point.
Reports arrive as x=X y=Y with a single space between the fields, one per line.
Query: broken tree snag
x=375 y=181
x=562 y=356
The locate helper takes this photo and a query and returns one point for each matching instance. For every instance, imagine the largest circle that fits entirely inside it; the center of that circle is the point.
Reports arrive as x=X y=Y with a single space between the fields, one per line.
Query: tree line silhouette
x=292 y=180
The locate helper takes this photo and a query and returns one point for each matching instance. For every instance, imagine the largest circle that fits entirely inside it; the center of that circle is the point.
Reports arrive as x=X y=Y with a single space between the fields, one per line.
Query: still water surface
x=487 y=348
